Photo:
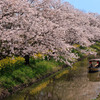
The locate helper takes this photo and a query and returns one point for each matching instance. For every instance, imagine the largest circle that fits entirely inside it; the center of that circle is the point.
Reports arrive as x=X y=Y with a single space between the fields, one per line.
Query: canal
x=78 y=84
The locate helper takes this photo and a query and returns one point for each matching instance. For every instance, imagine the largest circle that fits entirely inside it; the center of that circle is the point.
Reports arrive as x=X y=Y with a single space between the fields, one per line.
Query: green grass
x=83 y=47
x=7 y=81
x=76 y=51
x=25 y=73
x=96 y=46
x=61 y=57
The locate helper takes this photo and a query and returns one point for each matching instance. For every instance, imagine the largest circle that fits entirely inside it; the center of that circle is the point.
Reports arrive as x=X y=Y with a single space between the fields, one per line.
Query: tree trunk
x=26 y=59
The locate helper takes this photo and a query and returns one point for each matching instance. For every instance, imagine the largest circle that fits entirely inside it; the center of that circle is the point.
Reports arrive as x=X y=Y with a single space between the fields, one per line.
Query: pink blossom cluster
x=32 y=26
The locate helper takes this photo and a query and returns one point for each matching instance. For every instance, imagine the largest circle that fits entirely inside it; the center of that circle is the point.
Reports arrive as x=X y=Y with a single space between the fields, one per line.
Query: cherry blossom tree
x=38 y=26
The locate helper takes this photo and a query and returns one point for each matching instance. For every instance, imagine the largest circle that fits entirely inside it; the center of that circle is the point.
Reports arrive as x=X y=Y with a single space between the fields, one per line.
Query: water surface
x=77 y=85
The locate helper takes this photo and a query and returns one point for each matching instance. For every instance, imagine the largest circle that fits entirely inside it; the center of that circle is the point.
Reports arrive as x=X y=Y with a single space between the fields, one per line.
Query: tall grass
x=16 y=73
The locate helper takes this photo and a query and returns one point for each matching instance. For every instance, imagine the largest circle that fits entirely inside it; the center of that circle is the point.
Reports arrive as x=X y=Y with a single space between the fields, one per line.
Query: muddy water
x=77 y=85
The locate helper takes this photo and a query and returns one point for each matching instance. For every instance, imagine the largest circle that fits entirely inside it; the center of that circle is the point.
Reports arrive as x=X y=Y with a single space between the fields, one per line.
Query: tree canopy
x=32 y=26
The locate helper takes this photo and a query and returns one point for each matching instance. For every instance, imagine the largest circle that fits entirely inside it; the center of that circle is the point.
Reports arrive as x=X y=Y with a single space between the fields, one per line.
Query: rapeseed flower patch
x=11 y=62
x=39 y=55
x=76 y=45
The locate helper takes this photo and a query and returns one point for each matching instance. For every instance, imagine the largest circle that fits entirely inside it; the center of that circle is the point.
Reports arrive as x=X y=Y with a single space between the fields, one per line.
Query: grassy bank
x=83 y=51
x=14 y=72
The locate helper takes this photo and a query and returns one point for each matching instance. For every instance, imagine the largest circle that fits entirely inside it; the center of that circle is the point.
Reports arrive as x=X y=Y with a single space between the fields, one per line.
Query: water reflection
x=74 y=86
x=77 y=85
x=94 y=77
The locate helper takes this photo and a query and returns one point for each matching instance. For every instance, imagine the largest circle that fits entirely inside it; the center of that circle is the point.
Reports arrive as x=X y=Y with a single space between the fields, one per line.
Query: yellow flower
x=76 y=45
x=39 y=55
x=9 y=62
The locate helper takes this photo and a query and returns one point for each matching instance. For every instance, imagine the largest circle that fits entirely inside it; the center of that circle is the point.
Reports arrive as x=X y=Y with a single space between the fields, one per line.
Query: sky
x=86 y=5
